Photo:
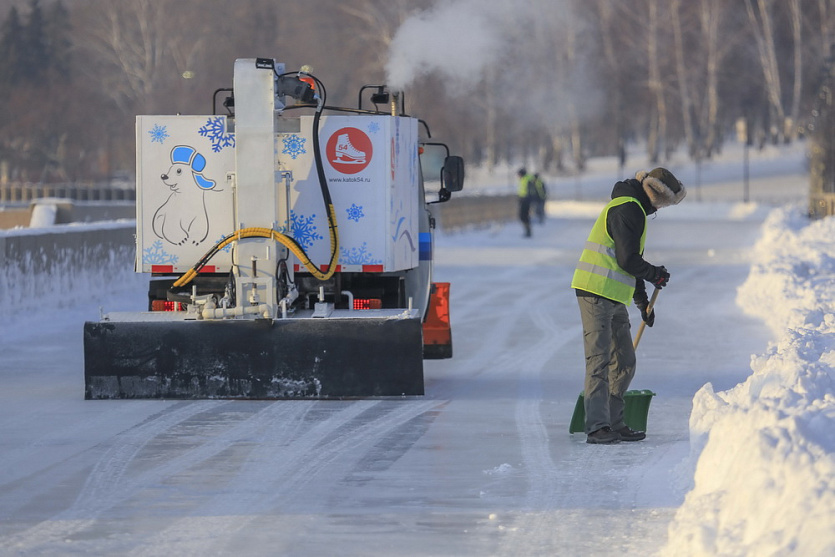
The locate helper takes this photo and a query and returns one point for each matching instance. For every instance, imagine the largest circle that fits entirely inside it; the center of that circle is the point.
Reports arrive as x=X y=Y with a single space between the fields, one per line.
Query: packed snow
x=738 y=458
x=764 y=481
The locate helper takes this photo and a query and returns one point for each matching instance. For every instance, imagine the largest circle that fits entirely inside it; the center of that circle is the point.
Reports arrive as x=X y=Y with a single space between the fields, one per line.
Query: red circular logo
x=349 y=150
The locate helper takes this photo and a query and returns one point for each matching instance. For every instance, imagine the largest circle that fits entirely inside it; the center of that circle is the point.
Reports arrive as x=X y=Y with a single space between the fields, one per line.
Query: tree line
x=566 y=79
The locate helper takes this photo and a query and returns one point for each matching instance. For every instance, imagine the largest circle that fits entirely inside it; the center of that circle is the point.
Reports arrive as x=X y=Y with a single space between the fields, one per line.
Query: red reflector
x=368 y=303
x=165 y=305
x=372 y=268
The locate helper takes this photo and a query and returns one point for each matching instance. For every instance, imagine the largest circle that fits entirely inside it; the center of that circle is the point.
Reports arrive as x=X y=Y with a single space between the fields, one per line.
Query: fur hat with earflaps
x=662 y=187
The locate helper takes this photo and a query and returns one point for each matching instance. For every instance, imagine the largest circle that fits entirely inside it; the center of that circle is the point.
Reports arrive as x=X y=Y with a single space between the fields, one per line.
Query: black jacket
x=625 y=224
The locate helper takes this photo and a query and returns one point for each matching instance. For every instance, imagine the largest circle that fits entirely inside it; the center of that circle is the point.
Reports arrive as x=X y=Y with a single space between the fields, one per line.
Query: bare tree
x=127 y=42
x=575 y=119
x=826 y=12
x=712 y=46
x=575 y=76
x=375 y=23
x=684 y=81
x=710 y=15
x=550 y=43
x=762 y=26
x=658 y=127
x=790 y=130
x=608 y=23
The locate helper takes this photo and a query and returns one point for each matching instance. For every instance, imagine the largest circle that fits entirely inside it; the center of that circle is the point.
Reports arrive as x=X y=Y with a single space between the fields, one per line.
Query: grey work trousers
x=610 y=361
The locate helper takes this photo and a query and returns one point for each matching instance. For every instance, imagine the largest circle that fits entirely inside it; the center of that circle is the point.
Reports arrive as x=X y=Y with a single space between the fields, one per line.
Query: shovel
x=643 y=323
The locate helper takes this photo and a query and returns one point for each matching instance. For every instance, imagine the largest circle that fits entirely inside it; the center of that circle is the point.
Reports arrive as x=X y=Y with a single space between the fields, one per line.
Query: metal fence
x=21 y=192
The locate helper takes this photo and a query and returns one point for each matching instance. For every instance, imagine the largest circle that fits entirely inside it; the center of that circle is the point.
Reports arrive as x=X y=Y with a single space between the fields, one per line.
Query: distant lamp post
x=742 y=136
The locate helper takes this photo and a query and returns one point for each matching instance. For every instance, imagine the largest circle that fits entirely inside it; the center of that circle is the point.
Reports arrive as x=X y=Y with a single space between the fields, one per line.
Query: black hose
x=323 y=181
x=320 y=170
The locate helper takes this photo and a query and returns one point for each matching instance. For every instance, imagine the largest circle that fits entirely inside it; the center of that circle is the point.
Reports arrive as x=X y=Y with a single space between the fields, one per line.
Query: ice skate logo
x=349 y=150
x=347 y=153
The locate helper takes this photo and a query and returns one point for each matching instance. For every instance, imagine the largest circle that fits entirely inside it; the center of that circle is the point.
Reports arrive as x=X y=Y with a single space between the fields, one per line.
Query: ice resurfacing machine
x=290 y=245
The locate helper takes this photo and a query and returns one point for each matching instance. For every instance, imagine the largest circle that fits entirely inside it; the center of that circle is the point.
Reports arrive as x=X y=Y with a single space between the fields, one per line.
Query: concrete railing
x=62 y=264
x=475 y=211
x=65 y=211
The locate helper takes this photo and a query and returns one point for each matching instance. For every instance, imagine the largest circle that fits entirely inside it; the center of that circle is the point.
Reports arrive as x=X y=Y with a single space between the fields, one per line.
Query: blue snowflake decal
x=304 y=231
x=294 y=145
x=158 y=134
x=354 y=213
x=215 y=130
x=373 y=127
x=155 y=255
x=357 y=256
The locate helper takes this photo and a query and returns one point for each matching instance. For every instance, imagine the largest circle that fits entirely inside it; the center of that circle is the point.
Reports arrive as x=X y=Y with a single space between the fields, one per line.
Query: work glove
x=642 y=305
x=660 y=277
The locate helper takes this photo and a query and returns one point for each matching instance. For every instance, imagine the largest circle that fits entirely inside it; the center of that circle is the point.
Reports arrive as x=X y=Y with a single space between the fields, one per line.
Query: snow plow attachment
x=254 y=359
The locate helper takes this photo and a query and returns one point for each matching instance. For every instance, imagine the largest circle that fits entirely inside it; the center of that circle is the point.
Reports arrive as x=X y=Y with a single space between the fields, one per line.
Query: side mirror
x=442 y=173
x=452 y=175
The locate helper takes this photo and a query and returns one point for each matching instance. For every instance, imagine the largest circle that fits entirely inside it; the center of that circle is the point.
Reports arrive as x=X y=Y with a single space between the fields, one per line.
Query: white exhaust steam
x=531 y=50
x=457 y=40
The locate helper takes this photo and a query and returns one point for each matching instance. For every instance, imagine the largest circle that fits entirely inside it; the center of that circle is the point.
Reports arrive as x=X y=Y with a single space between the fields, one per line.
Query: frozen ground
x=484 y=463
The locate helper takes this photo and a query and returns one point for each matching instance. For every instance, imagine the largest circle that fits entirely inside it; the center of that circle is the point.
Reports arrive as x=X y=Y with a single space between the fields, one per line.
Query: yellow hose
x=283 y=239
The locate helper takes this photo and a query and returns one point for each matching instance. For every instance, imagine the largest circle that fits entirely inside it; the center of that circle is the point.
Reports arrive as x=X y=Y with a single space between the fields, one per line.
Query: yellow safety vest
x=524 y=185
x=598 y=271
x=539 y=186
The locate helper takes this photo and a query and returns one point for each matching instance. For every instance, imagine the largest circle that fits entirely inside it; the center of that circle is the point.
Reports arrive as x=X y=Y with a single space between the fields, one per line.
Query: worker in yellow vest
x=540 y=195
x=526 y=194
x=609 y=276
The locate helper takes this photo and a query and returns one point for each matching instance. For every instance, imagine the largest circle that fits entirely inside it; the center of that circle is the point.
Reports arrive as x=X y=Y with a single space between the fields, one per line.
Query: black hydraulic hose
x=323 y=182
x=320 y=173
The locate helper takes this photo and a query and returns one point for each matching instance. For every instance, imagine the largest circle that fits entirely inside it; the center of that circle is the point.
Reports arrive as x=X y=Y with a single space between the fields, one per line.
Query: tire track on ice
x=107 y=485
x=18 y=463
x=543 y=475
x=112 y=462
x=259 y=489
x=493 y=356
x=111 y=467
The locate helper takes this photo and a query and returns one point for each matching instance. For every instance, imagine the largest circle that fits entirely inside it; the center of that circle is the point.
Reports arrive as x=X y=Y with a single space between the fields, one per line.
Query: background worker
x=611 y=273
x=540 y=195
x=525 y=198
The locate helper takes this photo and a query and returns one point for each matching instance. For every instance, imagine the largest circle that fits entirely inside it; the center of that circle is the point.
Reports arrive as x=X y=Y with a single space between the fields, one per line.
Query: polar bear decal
x=183 y=217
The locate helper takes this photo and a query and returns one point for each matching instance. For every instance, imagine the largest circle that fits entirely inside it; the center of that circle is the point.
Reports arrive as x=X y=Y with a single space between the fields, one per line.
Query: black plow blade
x=286 y=358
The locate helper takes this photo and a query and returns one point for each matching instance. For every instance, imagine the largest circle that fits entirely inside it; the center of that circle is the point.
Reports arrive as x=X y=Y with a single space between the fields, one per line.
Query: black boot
x=603 y=436
x=628 y=434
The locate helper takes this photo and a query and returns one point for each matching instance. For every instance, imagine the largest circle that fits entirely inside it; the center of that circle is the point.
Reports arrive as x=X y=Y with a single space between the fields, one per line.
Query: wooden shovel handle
x=643 y=323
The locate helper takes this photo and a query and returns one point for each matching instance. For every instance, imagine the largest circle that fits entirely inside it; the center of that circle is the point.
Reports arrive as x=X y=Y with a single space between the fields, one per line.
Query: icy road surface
x=482 y=465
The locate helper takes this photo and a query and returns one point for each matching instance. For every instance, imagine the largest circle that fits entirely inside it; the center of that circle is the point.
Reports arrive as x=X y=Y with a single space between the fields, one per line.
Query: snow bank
x=764 y=481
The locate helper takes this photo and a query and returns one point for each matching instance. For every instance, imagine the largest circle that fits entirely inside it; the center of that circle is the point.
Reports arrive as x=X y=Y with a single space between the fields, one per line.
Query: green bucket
x=635 y=411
